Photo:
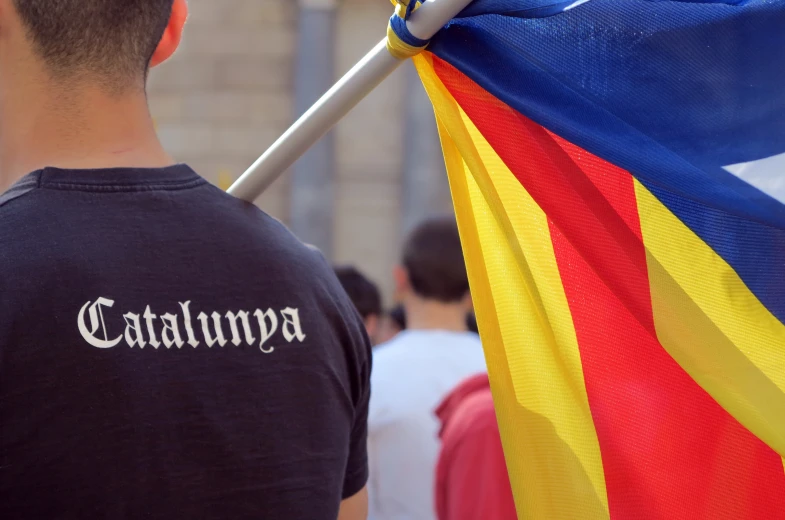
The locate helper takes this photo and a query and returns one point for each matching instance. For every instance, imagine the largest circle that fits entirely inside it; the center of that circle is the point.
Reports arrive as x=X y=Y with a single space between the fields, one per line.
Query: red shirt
x=471 y=475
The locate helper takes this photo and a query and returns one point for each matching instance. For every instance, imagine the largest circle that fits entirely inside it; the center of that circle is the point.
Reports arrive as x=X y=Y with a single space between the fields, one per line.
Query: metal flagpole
x=366 y=75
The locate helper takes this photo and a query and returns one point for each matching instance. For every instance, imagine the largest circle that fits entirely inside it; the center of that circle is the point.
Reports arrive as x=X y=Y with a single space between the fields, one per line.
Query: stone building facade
x=248 y=67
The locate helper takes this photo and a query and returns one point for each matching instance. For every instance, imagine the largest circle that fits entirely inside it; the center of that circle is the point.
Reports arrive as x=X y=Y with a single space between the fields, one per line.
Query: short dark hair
x=433 y=259
x=398 y=315
x=363 y=292
x=471 y=323
x=110 y=39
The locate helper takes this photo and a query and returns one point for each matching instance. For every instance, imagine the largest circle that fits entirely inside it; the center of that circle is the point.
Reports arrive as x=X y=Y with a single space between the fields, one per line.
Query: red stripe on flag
x=669 y=450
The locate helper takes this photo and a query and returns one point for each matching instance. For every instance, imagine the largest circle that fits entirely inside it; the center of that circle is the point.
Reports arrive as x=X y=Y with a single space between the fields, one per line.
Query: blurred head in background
x=365 y=296
x=431 y=281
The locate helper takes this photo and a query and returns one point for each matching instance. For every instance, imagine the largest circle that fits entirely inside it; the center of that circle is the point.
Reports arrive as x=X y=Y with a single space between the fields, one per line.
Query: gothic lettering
x=269 y=331
x=243 y=315
x=291 y=325
x=89 y=333
x=188 y=327
x=266 y=332
x=219 y=333
x=171 y=333
x=149 y=317
x=132 y=324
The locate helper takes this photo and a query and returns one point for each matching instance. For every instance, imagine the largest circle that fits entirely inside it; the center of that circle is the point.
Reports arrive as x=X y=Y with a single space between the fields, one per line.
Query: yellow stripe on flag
x=550 y=443
x=713 y=325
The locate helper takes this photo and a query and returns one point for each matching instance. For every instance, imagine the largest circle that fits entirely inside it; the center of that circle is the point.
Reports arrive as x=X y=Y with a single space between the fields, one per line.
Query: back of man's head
x=110 y=40
x=363 y=292
x=433 y=261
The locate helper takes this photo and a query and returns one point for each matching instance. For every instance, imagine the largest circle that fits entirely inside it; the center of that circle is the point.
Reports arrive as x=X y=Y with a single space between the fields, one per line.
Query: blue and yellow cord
x=401 y=43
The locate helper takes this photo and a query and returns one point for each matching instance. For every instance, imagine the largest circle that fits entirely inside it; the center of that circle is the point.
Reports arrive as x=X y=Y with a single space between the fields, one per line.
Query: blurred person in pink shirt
x=471 y=474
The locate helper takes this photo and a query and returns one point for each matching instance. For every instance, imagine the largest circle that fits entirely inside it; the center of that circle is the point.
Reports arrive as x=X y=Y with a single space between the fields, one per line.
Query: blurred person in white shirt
x=413 y=372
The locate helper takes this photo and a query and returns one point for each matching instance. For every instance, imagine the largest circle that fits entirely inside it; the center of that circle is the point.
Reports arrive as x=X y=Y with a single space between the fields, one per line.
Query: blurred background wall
x=247 y=68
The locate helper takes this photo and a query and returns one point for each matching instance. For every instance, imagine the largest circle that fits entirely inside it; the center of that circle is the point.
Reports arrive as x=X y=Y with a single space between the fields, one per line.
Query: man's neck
x=423 y=314
x=82 y=127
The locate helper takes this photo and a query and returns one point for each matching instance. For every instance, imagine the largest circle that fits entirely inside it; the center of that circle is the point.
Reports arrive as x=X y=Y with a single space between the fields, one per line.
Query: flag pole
x=366 y=75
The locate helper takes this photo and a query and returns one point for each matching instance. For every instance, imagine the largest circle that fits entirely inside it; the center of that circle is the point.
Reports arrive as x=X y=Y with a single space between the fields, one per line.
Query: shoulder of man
x=285 y=248
x=17 y=190
x=14 y=224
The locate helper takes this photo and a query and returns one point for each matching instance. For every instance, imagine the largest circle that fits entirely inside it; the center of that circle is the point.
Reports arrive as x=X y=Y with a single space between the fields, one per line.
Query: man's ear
x=467 y=302
x=172 y=34
x=372 y=327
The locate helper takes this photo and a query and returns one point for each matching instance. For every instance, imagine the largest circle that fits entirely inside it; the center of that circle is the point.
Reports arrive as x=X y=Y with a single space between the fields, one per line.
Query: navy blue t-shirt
x=168 y=351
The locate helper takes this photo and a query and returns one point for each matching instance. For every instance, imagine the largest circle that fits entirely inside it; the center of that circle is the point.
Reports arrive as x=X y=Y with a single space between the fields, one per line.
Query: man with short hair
x=364 y=295
x=166 y=351
x=415 y=371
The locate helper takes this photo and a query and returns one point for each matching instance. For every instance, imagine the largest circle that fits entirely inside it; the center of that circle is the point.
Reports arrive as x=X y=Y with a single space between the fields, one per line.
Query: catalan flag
x=616 y=167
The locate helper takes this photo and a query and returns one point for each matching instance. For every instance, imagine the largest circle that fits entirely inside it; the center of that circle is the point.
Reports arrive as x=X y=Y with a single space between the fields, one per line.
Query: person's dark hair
x=471 y=323
x=433 y=259
x=363 y=292
x=111 y=39
x=398 y=315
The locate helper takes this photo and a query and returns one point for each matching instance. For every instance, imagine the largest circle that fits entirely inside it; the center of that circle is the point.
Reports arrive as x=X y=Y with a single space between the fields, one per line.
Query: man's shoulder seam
x=125 y=188
x=20 y=189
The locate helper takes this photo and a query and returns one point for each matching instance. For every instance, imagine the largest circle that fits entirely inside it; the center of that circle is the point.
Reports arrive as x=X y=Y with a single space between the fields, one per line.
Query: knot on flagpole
x=401 y=43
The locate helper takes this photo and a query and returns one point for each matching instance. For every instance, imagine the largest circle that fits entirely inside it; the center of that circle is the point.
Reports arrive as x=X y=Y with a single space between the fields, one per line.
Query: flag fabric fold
x=616 y=169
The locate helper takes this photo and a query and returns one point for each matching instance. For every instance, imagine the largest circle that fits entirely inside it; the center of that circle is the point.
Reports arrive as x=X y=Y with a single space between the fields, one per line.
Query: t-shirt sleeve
x=358 y=350
x=357 y=467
